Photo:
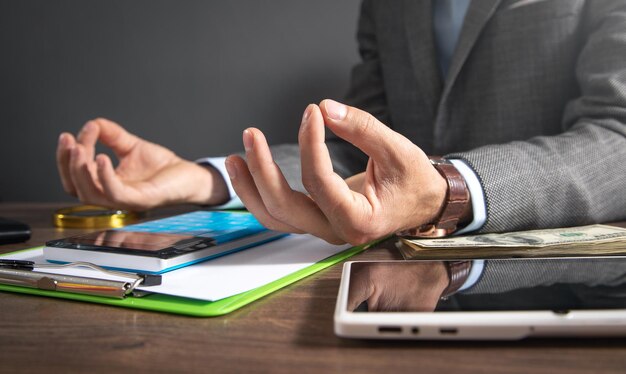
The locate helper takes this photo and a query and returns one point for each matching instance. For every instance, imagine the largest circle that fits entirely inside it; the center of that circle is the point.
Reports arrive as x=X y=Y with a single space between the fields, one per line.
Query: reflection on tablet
x=550 y=284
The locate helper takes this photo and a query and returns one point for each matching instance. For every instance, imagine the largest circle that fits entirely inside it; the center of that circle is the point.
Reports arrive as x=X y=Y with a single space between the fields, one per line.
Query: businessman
x=525 y=99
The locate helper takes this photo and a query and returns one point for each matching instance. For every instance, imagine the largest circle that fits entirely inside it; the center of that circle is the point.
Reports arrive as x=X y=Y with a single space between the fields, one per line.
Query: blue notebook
x=166 y=244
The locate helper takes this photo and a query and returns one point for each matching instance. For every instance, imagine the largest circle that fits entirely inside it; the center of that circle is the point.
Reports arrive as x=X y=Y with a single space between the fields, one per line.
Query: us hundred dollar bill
x=583 y=240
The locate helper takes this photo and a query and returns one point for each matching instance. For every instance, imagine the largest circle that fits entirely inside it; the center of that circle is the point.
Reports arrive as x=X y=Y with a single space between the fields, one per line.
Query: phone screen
x=168 y=237
x=138 y=243
x=142 y=241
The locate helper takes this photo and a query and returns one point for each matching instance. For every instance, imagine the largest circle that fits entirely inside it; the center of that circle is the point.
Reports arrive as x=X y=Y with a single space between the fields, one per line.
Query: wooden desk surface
x=288 y=331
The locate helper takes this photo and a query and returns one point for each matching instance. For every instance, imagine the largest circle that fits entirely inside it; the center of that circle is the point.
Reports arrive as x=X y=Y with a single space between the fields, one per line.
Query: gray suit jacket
x=507 y=275
x=534 y=102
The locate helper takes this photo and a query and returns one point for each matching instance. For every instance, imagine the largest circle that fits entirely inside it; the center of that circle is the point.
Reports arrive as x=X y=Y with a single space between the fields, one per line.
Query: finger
x=118 y=237
x=112 y=186
x=318 y=176
x=282 y=202
x=363 y=130
x=347 y=211
x=100 y=238
x=246 y=190
x=356 y=182
x=64 y=148
x=88 y=136
x=115 y=136
x=360 y=288
x=87 y=188
x=138 y=196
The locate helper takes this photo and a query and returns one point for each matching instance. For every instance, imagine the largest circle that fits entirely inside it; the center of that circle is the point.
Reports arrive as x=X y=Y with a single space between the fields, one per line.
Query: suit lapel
x=478 y=13
x=418 y=27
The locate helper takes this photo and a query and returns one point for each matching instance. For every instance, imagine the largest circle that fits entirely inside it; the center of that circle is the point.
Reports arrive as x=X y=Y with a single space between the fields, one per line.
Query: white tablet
x=501 y=299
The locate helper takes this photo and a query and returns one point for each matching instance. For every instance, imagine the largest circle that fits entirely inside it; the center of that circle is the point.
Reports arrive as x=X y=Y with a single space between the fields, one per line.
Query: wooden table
x=288 y=331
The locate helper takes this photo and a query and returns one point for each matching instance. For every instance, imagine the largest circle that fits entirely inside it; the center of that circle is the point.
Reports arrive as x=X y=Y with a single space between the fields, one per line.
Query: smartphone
x=12 y=231
x=166 y=244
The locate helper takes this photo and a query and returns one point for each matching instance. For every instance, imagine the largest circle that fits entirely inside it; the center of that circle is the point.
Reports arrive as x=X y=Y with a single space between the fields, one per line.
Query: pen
x=17 y=264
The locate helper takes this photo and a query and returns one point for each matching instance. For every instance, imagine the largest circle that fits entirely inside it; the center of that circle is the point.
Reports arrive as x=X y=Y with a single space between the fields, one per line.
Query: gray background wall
x=190 y=75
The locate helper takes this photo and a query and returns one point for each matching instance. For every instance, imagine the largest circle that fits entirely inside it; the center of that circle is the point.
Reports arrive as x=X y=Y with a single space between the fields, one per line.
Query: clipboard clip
x=23 y=273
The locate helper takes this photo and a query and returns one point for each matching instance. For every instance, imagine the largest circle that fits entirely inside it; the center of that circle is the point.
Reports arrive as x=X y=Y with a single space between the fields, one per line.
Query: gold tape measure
x=93 y=217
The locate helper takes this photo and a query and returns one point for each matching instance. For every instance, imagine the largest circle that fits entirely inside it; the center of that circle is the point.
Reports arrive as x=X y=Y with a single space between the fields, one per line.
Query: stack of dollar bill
x=593 y=240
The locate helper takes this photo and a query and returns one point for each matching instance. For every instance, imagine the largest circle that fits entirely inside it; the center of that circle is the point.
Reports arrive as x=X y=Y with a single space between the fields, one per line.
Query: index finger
x=347 y=210
x=66 y=143
x=87 y=137
x=364 y=131
x=360 y=288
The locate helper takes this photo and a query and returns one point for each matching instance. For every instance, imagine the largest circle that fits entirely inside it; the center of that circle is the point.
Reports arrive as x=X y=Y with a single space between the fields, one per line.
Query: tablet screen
x=560 y=285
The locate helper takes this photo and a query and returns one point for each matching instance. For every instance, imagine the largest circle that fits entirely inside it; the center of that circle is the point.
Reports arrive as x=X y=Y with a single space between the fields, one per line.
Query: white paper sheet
x=228 y=275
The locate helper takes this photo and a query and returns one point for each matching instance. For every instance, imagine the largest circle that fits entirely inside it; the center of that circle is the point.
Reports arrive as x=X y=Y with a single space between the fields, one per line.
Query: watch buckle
x=425 y=231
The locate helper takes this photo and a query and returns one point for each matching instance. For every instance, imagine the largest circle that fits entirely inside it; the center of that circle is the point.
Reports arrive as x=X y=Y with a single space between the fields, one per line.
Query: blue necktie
x=448 y=16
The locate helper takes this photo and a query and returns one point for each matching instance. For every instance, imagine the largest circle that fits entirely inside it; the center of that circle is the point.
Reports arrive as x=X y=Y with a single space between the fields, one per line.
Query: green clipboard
x=193 y=307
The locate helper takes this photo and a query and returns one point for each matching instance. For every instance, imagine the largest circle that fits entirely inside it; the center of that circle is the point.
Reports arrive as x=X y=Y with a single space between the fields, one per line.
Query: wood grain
x=288 y=331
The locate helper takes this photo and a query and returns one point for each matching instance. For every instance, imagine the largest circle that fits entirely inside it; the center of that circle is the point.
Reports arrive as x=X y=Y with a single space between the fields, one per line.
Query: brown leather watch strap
x=458 y=271
x=457 y=199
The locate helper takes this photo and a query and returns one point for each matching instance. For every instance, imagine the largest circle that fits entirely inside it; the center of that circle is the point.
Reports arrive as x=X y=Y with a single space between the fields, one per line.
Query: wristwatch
x=457 y=199
x=458 y=272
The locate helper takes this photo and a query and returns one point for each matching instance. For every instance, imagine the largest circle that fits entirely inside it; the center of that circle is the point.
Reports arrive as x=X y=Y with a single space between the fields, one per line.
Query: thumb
x=363 y=130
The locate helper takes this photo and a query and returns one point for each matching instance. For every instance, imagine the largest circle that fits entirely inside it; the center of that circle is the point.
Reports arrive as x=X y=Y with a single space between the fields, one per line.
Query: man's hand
x=148 y=175
x=399 y=190
x=398 y=287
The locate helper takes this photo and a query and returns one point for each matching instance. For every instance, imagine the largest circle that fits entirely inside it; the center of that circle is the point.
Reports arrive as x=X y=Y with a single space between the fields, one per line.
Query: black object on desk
x=13 y=231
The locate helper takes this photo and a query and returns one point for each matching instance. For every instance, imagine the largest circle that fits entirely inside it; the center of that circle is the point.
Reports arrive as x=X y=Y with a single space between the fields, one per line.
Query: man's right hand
x=148 y=175
x=387 y=288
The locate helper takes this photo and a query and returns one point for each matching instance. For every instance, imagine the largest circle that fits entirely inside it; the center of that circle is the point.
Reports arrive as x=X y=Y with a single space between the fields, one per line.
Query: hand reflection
x=388 y=287
x=137 y=240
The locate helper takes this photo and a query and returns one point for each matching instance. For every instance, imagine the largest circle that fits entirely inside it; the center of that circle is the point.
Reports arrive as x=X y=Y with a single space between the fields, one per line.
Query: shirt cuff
x=219 y=163
x=475 y=272
x=476 y=194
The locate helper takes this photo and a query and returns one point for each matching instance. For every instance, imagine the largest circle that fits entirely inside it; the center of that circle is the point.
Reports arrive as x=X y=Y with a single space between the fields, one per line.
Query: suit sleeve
x=579 y=176
x=505 y=275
